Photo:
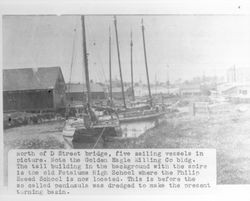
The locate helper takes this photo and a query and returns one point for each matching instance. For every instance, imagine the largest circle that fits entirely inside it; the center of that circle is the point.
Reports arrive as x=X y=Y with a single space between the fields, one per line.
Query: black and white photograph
x=129 y=81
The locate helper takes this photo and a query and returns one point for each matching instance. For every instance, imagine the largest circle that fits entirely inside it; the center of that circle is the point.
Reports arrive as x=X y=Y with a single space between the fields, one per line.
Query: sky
x=183 y=46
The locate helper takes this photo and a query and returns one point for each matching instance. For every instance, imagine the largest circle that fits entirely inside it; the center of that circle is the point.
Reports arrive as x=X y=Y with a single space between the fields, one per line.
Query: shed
x=32 y=89
x=190 y=90
x=117 y=92
x=77 y=92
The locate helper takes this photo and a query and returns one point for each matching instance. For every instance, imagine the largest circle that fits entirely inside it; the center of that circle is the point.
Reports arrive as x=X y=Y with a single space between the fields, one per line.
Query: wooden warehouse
x=76 y=93
x=33 y=89
x=117 y=92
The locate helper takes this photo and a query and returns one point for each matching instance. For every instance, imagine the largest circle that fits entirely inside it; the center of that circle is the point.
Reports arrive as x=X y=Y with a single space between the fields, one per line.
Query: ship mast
x=85 y=66
x=146 y=63
x=110 y=71
x=132 y=79
x=119 y=61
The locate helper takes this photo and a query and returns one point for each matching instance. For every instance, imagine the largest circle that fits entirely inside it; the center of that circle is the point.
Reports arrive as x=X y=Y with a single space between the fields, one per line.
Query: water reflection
x=129 y=130
x=135 y=129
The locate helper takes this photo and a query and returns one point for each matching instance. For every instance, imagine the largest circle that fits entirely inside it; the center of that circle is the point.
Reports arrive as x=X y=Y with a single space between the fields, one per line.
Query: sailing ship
x=86 y=126
x=138 y=111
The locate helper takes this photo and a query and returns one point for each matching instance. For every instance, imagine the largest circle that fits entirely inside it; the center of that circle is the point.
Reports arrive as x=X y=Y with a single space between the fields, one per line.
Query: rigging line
x=101 y=74
x=87 y=28
x=73 y=56
x=99 y=137
x=112 y=41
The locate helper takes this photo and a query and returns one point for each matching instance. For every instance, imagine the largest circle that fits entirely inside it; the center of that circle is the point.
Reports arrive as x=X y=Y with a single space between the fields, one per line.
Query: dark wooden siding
x=77 y=96
x=98 y=95
x=60 y=92
x=27 y=100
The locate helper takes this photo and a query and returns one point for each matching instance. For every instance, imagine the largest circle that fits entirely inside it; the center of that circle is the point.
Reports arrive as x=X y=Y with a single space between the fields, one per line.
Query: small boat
x=87 y=125
x=76 y=131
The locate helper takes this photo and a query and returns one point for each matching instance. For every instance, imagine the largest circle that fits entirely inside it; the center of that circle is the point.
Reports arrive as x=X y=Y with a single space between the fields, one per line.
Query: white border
x=229 y=7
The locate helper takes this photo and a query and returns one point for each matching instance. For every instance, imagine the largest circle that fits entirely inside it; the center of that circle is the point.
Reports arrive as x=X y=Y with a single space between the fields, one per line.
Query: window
x=244 y=92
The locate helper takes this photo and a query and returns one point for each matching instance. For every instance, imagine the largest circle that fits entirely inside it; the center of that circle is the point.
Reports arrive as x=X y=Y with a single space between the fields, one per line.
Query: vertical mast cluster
x=146 y=63
x=85 y=56
x=132 y=77
x=119 y=61
x=110 y=70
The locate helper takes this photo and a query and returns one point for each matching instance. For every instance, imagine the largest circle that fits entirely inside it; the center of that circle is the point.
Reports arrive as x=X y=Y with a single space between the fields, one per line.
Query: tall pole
x=110 y=71
x=86 y=61
x=155 y=84
x=146 y=63
x=119 y=61
x=132 y=77
x=168 y=77
x=234 y=71
x=72 y=58
x=215 y=81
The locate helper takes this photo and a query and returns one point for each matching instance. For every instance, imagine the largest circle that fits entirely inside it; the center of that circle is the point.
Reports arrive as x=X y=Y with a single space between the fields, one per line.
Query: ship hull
x=138 y=118
x=81 y=137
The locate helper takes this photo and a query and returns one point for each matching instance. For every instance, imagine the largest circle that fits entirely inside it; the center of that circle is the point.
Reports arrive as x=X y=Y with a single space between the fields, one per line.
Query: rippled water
x=129 y=130
x=135 y=129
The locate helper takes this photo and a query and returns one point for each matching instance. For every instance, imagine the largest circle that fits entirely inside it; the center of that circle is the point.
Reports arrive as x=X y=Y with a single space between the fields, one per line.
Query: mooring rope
x=99 y=137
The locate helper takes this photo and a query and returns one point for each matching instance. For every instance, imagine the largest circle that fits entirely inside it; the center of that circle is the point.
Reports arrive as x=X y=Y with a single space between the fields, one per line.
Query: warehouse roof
x=30 y=78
